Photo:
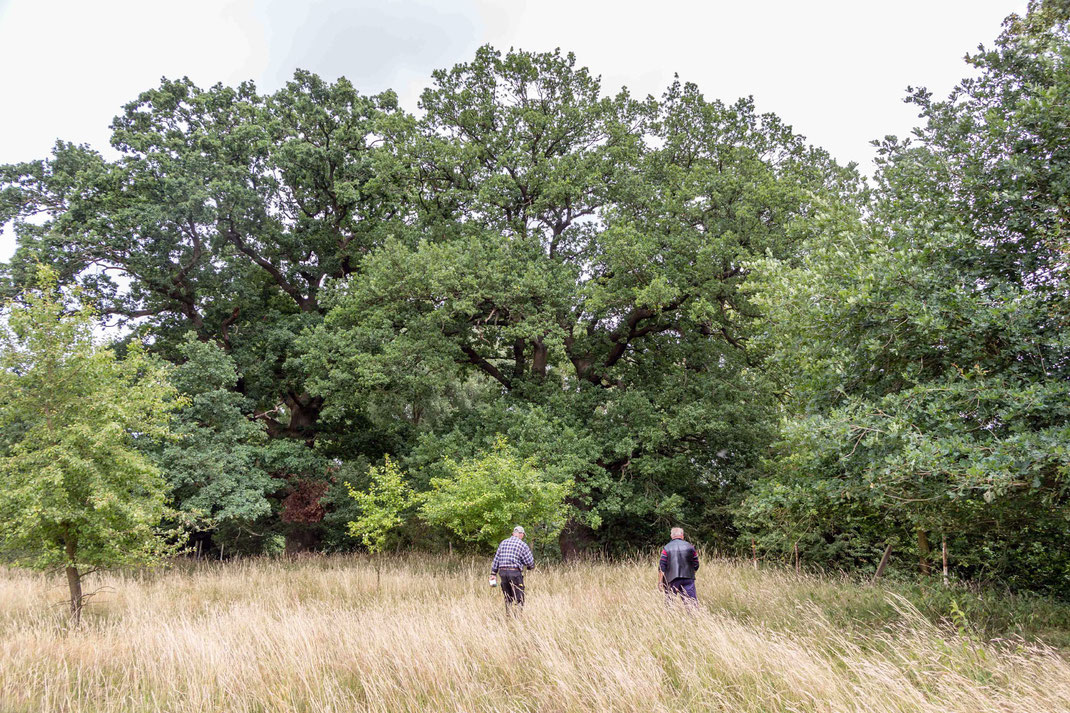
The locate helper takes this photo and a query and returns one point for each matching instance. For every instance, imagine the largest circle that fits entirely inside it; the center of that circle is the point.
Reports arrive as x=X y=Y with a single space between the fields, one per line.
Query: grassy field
x=318 y=635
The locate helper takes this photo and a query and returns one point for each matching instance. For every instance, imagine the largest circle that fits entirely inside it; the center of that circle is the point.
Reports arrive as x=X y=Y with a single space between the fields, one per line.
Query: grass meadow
x=317 y=634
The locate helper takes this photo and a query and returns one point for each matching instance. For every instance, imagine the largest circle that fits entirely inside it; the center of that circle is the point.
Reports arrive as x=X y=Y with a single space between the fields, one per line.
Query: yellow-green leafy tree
x=76 y=493
x=482 y=498
x=382 y=508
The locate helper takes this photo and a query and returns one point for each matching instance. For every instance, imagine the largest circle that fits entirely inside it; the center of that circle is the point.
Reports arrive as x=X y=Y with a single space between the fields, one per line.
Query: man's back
x=679 y=560
x=512 y=554
x=511 y=559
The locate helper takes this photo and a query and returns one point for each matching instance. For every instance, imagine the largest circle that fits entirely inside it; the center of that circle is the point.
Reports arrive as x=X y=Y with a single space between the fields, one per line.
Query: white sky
x=836 y=70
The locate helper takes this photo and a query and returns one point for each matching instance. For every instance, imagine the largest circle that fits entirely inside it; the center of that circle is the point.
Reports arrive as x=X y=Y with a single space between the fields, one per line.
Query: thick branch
x=136 y=313
x=707 y=330
x=624 y=334
x=306 y=304
x=225 y=325
x=485 y=366
x=630 y=329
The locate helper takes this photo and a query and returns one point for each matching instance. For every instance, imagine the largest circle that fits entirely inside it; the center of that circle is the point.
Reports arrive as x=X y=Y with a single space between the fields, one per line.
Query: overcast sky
x=836 y=70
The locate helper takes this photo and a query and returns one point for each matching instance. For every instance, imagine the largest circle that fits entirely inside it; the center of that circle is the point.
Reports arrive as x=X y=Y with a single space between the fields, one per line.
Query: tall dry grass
x=317 y=635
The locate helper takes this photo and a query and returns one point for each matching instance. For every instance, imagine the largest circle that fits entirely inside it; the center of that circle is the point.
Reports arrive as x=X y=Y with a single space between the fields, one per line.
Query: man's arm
x=694 y=558
x=663 y=563
x=496 y=562
x=529 y=559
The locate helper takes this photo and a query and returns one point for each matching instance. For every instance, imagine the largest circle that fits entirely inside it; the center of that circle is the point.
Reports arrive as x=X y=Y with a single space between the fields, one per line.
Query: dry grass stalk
x=318 y=635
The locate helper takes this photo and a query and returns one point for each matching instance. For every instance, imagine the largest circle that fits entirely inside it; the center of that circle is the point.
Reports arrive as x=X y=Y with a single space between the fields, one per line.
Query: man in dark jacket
x=677 y=567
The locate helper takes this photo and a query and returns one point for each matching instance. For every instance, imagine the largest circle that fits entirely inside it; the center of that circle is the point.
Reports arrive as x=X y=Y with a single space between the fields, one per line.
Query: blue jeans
x=682 y=588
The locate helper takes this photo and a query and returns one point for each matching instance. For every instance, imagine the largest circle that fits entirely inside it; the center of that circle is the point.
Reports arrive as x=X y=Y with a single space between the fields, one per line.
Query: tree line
x=664 y=311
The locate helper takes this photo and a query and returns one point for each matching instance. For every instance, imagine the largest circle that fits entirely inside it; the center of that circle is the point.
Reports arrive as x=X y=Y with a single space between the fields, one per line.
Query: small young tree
x=484 y=497
x=76 y=494
x=381 y=507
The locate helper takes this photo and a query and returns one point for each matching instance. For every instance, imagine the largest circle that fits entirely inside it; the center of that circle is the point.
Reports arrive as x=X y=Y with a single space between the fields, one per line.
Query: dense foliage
x=672 y=309
x=927 y=346
x=480 y=498
x=78 y=494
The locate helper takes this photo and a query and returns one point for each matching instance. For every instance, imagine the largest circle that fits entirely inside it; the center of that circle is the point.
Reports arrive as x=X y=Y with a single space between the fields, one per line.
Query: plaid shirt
x=512 y=554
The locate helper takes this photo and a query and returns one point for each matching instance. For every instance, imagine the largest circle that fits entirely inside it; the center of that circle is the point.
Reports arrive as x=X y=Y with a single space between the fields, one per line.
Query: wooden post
x=796 y=557
x=924 y=550
x=944 y=547
x=754 y=552
x=221 y=551
x=884 y=562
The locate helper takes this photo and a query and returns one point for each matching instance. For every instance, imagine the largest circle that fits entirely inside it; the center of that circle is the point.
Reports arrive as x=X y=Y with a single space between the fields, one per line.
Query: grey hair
x=676 y=532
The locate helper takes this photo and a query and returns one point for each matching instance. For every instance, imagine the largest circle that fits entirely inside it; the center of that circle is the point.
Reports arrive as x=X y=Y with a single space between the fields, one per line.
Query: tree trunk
x=754 y=552
x=796 y=547
x=943 y=546
x=924 y=550
x=304 y=415
x=302 y=537
x=519 y=358
x=539 y=359
x=74 y=583
x=574 y=539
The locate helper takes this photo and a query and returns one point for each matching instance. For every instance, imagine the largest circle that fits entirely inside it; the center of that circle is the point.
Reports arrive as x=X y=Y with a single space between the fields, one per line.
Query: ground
x=316 y=634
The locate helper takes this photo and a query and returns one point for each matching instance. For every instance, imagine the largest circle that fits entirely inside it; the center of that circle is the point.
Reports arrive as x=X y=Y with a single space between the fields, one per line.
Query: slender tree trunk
x=754 y=552
x=884 y=562
x=943 y=546
x=74 y=583
x=924 y=550
x=796 y=547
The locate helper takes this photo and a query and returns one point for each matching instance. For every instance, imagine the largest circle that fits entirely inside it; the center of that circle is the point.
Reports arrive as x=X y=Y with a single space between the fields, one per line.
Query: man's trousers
x=512 y=583
x=682 y=588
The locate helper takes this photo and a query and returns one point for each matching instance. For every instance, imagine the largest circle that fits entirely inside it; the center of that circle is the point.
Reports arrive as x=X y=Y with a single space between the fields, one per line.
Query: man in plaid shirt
x=509 y=563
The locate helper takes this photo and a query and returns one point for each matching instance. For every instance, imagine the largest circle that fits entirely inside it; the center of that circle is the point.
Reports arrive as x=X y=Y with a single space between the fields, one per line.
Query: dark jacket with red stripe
x=678 y=560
